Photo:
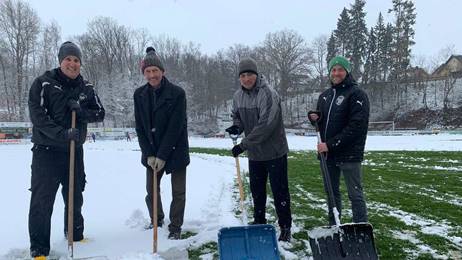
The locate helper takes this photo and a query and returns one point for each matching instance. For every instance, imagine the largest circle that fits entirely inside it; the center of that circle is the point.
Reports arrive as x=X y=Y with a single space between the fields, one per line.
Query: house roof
x=442 y=66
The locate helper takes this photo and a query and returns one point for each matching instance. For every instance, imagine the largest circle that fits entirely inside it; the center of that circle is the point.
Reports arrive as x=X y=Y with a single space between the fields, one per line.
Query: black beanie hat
x=248 y=65
x=69 y=49
x=151 y=59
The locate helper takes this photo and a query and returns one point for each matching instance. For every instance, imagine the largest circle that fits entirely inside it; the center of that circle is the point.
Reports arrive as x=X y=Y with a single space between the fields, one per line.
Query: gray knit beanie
x=69 y=49
x=248 y=65
x=151 y=59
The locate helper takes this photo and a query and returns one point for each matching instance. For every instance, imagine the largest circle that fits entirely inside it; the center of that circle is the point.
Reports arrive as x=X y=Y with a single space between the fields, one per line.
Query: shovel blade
x=252 y=242
x=348 y=241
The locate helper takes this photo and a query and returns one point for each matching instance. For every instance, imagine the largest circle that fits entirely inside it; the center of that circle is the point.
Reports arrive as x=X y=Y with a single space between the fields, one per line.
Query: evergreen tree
x=380 y=32
x=403 y=35
x=387 y=52
x=332 y=48
x=343 y=33
x=357 y=37
x=371 y=65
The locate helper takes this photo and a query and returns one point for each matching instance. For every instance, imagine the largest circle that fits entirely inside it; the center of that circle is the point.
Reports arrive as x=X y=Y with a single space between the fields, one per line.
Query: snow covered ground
x=114 y=207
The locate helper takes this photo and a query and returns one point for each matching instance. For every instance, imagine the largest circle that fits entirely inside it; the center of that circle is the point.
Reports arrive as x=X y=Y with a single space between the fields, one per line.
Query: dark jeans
x=177 y=205
x=352 y=174
x=50 y=168
x=276 y=169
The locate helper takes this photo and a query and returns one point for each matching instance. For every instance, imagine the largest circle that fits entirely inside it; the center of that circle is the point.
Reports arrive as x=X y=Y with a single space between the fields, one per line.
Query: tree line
x=296 y=67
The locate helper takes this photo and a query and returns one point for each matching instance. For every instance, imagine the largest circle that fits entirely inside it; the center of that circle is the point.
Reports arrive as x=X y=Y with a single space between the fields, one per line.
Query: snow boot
x=285 y=235
x=174 y=235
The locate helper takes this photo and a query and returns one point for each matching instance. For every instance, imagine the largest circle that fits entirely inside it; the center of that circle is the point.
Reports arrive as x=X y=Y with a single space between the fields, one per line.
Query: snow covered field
x=114 y=207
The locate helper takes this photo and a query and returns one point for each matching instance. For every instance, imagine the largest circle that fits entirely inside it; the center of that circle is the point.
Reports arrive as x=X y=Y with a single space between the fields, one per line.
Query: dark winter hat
x=248 y=65
x=151 y=59
x=340 y=60
x=69 y=49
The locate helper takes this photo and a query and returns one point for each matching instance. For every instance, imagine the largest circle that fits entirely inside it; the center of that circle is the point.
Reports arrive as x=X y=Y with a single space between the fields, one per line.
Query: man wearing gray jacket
x=257 y=112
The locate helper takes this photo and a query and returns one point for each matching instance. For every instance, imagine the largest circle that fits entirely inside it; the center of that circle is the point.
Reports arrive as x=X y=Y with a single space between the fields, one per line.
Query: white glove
x=152 y=161
x=159 y=165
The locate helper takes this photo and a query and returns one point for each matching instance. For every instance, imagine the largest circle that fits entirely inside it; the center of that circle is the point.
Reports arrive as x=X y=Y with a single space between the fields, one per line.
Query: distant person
x=342 y=114
x=52 y=98
x=161 y=126
x=93 y=136
x=257 y=112
x=127 y=135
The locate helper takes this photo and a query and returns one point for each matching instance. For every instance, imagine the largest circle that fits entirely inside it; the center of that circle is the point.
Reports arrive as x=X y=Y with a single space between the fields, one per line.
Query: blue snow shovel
x=347 y=241
x=247 y=242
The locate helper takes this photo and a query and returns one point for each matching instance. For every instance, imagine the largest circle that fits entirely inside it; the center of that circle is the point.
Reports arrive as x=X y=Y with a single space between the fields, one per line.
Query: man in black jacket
x=161 y=126
x=52 y=97
x=343 y=117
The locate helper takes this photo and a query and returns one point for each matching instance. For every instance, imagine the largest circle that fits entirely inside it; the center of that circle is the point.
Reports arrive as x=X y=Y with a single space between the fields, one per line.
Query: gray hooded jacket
x=258 y=113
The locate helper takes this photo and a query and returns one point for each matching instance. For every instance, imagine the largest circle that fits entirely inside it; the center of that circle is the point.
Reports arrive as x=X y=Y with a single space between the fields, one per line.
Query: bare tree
x=288 y=53
x=49 y=45
x=19 y=27
x=448 y=91
x=110 y=58
x=8 y=94
x=441 y=57
x=319 y=47
x=421 y=61
x=287 y=57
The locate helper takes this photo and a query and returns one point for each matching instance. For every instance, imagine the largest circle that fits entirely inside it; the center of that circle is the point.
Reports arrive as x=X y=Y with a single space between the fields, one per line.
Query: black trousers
x=50 y=168
x=276 y=169
x=178 y=180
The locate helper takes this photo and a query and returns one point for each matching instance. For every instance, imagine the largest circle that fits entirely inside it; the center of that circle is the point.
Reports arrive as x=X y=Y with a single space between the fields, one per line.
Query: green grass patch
x=406 y=191
x=205 y=249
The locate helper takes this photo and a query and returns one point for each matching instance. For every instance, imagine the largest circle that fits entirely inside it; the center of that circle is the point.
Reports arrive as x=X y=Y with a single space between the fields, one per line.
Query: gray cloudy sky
x=217 y=24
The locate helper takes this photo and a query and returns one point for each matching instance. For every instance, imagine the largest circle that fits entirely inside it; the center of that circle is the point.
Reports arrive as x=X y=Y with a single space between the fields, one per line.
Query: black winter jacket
x=50 y=114
x=344 y=121
x=161 y=126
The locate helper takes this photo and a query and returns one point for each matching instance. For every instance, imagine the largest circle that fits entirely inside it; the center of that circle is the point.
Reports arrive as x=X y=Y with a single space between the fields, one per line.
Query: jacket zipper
x=328 y=116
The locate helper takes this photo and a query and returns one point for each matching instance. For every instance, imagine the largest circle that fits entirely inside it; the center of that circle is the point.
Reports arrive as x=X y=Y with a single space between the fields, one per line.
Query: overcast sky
x=218 y=24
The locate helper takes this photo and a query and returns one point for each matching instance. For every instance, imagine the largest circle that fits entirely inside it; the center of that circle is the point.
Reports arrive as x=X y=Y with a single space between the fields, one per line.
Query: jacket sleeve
x=235 y=115
x=269 y=116
x=94 y=112
x=175 y=127
x=357 y=124
x=38 y=112
x=143 y=139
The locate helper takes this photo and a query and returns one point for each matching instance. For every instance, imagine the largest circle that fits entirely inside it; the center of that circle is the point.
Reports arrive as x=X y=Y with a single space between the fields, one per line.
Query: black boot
x=285 y=235
x=174 y=235
x=160 y=223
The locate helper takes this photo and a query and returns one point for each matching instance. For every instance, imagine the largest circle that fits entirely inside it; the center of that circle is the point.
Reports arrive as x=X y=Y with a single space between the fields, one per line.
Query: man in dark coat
x=257 y=112
x=52 y=97
x=161 y=126
x=343 y=116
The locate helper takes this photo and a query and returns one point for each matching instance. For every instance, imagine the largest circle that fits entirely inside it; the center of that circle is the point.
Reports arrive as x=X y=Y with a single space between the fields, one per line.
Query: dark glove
x=316 y=113
x=73 y=105
x=233 y=130
x=237 y=150
x=72 y=134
